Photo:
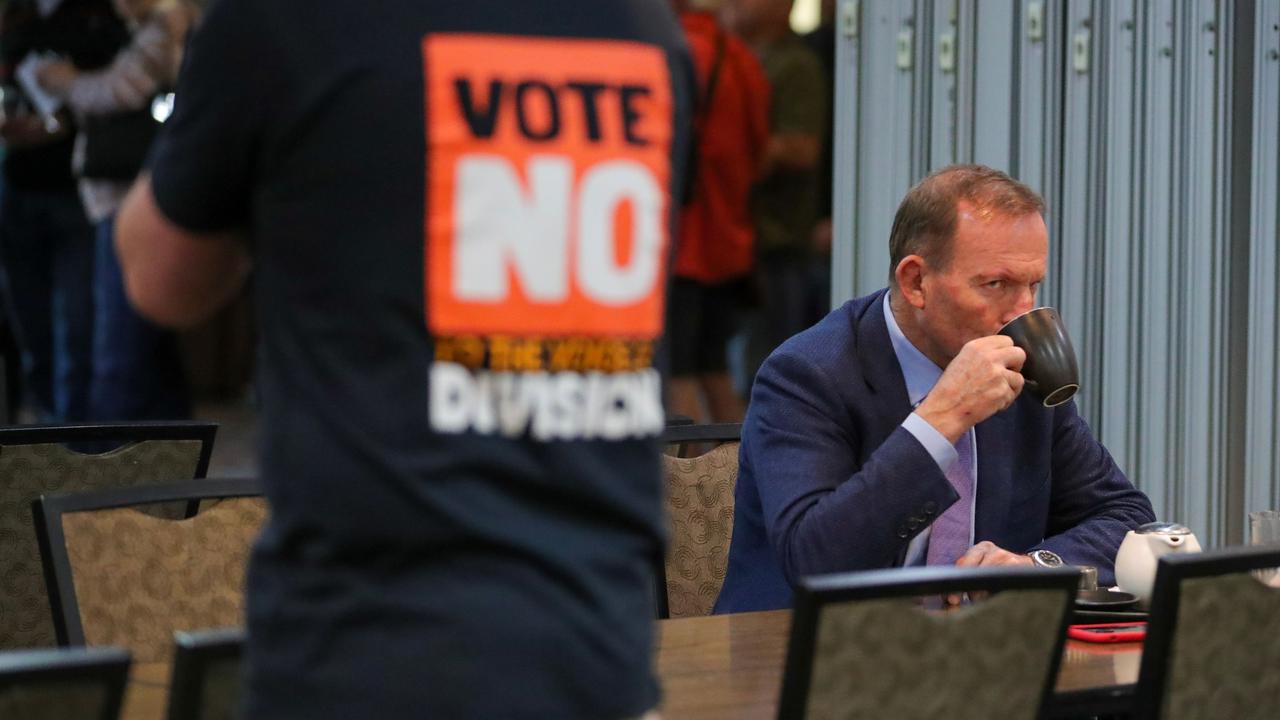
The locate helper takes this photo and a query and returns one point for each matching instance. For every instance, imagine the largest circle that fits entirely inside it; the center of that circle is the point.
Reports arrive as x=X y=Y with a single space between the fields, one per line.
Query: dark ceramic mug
x=1050 y=371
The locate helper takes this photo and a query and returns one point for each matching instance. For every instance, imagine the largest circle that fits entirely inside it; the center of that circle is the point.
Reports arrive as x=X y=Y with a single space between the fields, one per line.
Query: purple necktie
x=949 y=538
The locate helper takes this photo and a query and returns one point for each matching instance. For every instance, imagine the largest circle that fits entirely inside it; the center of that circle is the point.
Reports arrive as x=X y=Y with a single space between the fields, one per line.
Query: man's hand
x=56 y=76
x=988 y=553
x=980 y=382
x=985 y=553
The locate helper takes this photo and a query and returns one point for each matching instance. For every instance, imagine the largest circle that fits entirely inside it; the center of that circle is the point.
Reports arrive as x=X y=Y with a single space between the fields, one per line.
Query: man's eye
x=994 y=284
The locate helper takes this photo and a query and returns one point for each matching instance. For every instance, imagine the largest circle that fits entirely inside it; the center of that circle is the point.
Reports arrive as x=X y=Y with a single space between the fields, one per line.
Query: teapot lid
x=1163 y=528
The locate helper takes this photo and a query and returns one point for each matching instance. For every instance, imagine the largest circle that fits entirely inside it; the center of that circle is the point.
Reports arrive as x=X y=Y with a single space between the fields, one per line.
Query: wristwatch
x=1045 y=558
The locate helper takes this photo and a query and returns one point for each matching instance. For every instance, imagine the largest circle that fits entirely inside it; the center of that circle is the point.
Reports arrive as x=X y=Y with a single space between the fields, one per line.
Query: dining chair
x=699 y=509
x=868 y=644
x=119 y=577
x=206 y=675
x=64 y=684
x=37 y=459
x=1211 y=649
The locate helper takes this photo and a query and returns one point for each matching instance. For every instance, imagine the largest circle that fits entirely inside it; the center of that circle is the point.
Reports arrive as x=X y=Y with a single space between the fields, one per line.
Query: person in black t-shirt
x=459 y=218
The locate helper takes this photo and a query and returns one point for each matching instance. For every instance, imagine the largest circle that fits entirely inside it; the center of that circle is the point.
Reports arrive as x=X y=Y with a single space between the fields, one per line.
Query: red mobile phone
x=1108 y=632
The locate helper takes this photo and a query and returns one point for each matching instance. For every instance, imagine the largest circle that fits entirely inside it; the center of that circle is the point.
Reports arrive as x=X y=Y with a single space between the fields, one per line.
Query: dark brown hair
x=926 y=219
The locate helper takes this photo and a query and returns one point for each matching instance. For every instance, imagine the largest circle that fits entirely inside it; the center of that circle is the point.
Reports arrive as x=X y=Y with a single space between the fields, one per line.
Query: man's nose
x=1025 y=302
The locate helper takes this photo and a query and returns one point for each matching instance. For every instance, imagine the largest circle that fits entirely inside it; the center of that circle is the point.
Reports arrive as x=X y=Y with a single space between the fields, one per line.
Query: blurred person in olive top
x=785 y=201
x=459 y=219
x=715 y=252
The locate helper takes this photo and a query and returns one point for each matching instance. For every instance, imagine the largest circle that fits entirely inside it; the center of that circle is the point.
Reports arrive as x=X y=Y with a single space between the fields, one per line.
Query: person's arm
x=822 y=511
x=793 y=151
x=174 y=276
x=1092 y=504
x=181 y=232
x=134 y=76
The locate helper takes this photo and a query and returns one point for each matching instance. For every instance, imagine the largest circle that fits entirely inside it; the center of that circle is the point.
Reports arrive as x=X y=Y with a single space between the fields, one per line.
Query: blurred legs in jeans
x=137 y=368
x=48 y=257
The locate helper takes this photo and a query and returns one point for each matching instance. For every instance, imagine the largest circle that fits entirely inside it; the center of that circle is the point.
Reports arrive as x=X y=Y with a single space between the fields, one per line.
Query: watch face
x=1046 y=558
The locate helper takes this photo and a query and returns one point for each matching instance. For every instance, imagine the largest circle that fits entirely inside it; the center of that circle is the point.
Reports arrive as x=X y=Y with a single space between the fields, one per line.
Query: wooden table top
x=730 y=666
x=147 y=695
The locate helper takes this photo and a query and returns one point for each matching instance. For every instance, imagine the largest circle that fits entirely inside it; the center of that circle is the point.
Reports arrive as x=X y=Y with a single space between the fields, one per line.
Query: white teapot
x=1142 y=548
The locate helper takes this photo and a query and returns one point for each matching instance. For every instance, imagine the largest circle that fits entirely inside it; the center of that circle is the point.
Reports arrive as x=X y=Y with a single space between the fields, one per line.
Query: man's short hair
x=926 y=219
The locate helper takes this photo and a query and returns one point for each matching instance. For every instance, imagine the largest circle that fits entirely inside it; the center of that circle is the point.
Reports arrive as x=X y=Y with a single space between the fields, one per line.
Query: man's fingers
x=974 y=555
x=1016 y=382
x=988 y=553
x=1012 y=357
x=994 y=342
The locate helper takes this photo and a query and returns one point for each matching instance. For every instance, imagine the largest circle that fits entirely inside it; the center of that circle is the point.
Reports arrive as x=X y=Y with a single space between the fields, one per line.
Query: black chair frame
x=817 y=591
x=681 y=436
x=108 y=666
x=122 y=432
x=1165 y=598
x=48 y=512
x=194 y=652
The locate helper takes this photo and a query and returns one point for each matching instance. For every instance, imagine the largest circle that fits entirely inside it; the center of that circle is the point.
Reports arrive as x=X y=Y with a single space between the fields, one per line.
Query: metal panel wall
x=1149 y=128
x=884 y=135
x=1262 y=437
x=1157 y=403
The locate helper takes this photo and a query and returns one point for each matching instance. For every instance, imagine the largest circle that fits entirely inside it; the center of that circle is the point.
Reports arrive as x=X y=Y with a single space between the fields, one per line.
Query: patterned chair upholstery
x=1211 y=648
x=30 y=470
x=700 y=515
x=119 y=577
x=62 y=684
x=864 y=646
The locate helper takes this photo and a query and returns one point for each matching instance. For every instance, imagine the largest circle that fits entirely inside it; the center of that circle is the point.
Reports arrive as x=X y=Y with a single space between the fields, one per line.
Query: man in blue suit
x=894 y=432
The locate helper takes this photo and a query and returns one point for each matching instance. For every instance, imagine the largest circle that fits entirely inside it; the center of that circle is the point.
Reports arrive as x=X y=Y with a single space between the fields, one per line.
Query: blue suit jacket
x=829 y=481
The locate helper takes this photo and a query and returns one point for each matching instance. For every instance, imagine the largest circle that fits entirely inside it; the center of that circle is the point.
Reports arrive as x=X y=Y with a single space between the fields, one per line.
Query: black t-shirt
x=460 y=215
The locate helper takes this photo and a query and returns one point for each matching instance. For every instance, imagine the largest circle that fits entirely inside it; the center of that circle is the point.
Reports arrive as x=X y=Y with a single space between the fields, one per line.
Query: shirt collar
x=919 y=372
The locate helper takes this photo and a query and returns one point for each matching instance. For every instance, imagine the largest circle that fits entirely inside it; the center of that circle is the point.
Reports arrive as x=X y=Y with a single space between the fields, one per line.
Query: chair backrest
x=119 y=577
x=35 y=460
x=699 y=504
x=1212 y=646
x=864 y=645
x=66 y=684
x=206 y=675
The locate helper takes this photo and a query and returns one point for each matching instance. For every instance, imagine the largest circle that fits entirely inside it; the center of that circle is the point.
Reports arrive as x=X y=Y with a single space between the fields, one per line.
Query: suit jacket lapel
x=883 y=376
x=881 y=371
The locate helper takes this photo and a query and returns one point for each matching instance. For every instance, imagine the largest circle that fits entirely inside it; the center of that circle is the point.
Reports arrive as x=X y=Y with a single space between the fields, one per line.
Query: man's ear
x=910 y=275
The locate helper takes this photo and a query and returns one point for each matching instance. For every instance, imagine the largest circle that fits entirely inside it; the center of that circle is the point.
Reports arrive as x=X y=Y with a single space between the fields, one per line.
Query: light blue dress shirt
x=921 y=374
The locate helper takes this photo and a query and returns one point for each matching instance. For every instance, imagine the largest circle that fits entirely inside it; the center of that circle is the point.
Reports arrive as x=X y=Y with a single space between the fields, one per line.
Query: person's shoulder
x=742 y=55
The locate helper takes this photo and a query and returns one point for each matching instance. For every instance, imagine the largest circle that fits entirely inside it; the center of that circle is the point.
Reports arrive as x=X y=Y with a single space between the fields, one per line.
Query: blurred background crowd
x=87 y=83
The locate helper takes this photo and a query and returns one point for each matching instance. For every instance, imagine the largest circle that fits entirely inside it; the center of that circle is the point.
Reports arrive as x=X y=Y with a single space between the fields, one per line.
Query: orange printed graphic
x=548 y=167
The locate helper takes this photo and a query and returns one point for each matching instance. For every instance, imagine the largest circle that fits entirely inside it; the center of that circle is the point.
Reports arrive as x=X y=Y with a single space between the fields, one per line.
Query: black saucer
x=1105 y=599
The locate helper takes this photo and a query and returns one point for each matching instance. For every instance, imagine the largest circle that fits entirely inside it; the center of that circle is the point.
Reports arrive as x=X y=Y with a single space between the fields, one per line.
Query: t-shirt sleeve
x=201 y=162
